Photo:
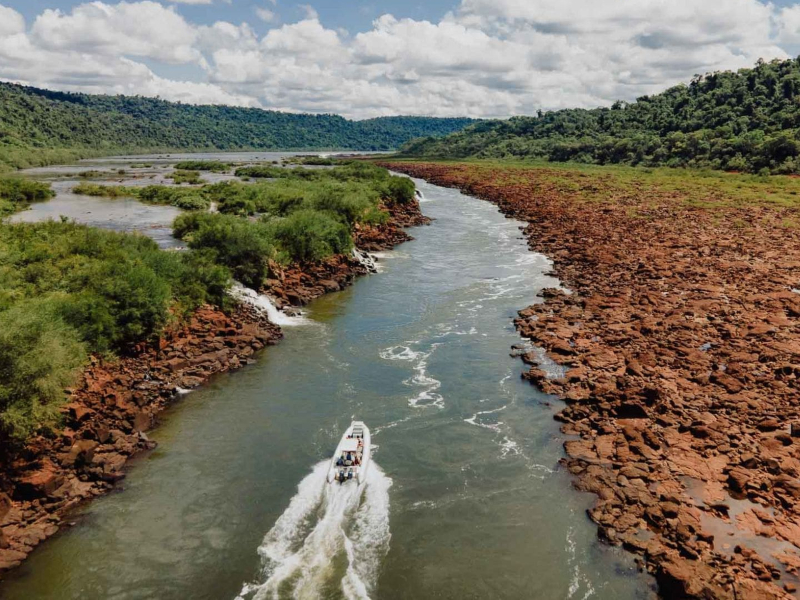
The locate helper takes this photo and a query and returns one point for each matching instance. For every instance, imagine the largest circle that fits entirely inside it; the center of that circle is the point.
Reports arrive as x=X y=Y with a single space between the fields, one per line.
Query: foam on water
x=323 y=527
x=264 y=304
x=475 y=419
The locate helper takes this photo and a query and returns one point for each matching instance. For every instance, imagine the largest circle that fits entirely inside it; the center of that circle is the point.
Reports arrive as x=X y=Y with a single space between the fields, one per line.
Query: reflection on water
x=477 y=507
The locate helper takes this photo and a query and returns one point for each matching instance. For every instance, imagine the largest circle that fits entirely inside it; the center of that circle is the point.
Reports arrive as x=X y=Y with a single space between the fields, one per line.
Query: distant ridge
x=39 y=127
x=743 y=121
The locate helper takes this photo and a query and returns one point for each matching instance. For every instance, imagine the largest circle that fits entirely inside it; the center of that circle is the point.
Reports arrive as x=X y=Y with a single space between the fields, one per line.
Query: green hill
x=744 y=121
x=40 y=127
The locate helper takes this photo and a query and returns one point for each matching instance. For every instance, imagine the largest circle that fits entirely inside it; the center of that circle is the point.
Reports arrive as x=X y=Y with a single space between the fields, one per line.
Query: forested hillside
x=41 y=127
x=743 y=121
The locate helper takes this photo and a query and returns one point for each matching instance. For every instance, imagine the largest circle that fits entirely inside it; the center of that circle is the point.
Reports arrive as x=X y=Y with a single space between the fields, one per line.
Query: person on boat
x=350 y=475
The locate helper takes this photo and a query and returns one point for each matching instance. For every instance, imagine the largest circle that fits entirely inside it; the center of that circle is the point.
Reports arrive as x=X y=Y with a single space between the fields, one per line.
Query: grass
x=180 y=176
x=594 y=183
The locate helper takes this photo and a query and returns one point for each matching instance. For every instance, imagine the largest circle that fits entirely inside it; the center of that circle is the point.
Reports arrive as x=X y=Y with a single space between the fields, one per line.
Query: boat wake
x=331 y=536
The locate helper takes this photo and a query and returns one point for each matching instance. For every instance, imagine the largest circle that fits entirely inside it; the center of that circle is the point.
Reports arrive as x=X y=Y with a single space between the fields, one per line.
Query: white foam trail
x=323 y=523
x=399 y=353
x=429 y=396
x=264 y=304
x=473 y=420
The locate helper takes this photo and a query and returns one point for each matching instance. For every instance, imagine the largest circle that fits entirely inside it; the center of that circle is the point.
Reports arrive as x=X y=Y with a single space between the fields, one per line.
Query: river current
x=465 y=500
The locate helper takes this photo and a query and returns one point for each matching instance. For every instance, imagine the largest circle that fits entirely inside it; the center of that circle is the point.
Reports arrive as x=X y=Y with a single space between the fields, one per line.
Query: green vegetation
x=304 y=215
x=16 y=193
x=104 y=191
x=187 y=199
x=702 y=188
x=67 y=290
x=180 y=176
x=743 y=121
x=317 y=161
x=214 y=166
x=41 y=127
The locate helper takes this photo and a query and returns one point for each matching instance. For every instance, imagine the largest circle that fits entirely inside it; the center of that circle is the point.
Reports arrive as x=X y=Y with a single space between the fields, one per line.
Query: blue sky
x=353 y=15
x=365 y=58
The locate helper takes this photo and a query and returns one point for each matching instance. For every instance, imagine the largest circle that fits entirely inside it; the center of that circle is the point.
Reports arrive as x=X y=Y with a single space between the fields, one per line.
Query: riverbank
x=115 y=403
x=680 y=335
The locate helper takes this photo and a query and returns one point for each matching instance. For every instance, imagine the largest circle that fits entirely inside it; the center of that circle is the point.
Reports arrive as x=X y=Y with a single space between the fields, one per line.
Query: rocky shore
x=117 y=402
x=681 y=339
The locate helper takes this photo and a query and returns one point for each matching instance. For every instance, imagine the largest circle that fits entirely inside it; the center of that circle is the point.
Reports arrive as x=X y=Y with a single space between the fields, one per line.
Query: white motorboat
x=351 y=459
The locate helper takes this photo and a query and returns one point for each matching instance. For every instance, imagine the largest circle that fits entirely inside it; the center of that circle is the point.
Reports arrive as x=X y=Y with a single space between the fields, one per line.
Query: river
x=466 y=500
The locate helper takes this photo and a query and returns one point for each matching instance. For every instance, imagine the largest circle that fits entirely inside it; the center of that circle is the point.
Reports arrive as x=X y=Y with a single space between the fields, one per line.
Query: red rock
x=39 y=483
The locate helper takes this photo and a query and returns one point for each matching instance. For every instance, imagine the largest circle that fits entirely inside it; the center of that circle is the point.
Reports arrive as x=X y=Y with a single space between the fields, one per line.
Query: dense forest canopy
x=743 y=121
x=43 y=127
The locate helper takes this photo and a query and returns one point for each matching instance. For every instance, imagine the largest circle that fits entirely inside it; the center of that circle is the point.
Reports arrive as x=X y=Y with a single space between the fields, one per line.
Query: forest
x=747 y=121
x=40 y=127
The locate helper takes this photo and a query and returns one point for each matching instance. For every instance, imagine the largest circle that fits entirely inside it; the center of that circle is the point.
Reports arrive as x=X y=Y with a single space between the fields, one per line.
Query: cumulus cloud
x=484 y=58
x=265 y=14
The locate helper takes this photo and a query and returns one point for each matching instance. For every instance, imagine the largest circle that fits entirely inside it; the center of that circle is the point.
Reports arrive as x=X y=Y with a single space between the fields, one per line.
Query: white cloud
x=484 y=58
x=11 y=22
x=147 y=29
x=195 y=1
x=265 y=14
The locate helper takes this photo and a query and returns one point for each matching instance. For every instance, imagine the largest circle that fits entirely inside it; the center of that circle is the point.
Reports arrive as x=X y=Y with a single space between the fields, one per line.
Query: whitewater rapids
x=330 y=536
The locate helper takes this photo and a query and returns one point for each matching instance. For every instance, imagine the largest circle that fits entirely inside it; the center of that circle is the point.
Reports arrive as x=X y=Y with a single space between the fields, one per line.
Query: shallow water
x=125 y=214
x=469 y=501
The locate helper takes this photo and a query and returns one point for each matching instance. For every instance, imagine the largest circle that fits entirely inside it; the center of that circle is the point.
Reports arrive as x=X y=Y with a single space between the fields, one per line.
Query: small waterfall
x=366 y=260
x=264 y=304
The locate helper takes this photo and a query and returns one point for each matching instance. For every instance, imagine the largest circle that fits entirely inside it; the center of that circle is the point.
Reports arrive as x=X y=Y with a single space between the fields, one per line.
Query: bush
x=261 y=171
x=16 y=193
x=309 y=235
x=242 y=246
x=105 y=191
x=40 y=355
x=114 y=289
x=191 y=177
x=214 y=166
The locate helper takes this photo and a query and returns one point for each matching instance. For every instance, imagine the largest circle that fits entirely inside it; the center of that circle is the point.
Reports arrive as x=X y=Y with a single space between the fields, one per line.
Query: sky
x=368 y=58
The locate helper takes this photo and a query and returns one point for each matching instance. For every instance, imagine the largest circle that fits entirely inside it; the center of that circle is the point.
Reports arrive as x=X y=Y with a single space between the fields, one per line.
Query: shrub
x=191 y=177
x=105 y=191
x=214 y=166
x=242 y=246
x=16 y=193
x=39 y=356
x=309 y=235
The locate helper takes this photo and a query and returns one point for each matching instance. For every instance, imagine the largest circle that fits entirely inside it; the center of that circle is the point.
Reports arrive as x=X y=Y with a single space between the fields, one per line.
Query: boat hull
x=351 y=461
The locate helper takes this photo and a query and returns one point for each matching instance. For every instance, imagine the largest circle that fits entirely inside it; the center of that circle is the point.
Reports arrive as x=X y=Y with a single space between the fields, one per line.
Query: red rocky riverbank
x=116 y=403
x=682 y=342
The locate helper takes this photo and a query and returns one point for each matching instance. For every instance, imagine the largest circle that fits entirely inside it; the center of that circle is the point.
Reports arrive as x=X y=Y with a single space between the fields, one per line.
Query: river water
x=466 y=499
